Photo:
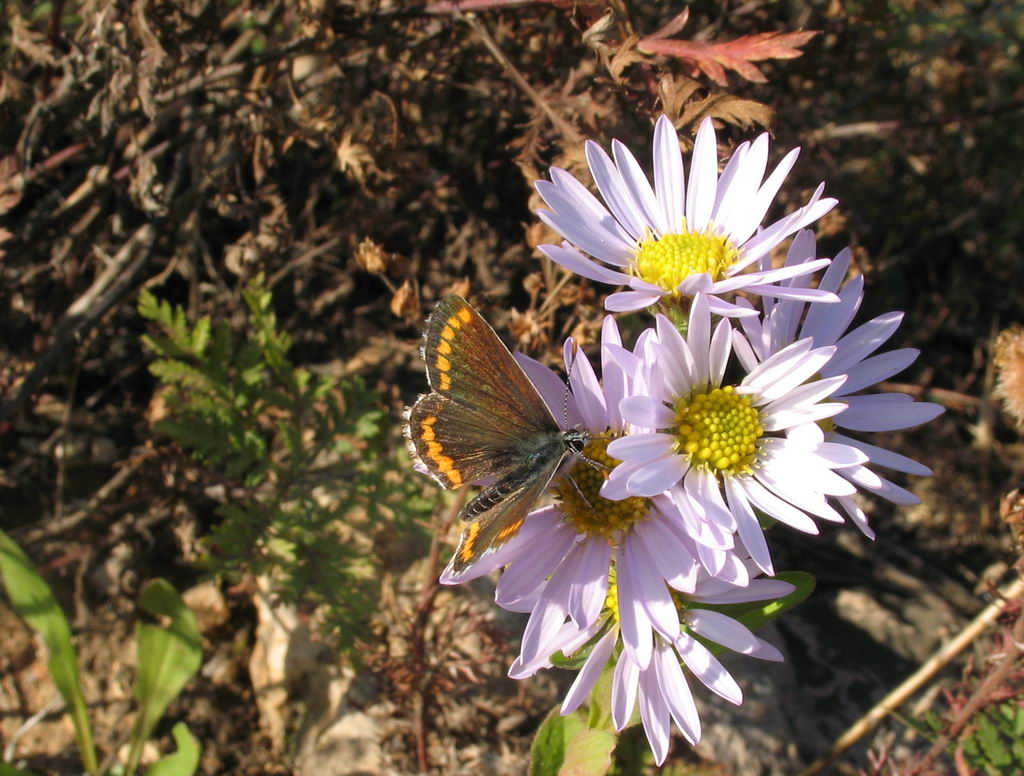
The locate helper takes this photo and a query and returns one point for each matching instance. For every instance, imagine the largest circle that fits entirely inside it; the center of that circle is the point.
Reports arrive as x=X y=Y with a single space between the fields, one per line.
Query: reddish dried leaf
x=465 y=6
x=738 y=55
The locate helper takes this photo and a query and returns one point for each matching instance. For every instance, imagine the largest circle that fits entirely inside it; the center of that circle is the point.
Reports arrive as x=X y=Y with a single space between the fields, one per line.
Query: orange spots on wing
x=444 y=347
x=465 y=315
x=443 y=364
x=445 y=465
x=454 y=321
x=447 y=333
x=446 y=381
x=427 y=429
x=466 y=552
x=509 y=530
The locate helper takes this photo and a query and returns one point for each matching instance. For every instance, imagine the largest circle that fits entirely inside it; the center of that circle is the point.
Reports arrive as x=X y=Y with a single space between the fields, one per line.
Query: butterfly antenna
x=579 y=490
x=568 y=381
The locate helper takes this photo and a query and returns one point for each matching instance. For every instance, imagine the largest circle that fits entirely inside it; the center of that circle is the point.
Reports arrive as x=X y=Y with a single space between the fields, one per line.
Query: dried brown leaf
x=29 y=42
x=405 y=303
x=675 y=91
x=625 y=55
x=10 y=190
x=371 y=257
x=730 y=109
x=738 y=55
x=353 y=157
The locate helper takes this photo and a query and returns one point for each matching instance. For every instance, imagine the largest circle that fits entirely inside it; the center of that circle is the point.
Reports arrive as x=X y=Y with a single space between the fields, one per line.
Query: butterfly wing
x=499 y=511
x=482 y=407
x=467 y=363
x=456 y=443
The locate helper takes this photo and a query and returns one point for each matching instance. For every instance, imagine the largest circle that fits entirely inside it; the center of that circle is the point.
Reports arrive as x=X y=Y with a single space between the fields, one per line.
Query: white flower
x=854 y=356
x=720 y=449
x=660 y=684
x=674 y=239
x=567 y=550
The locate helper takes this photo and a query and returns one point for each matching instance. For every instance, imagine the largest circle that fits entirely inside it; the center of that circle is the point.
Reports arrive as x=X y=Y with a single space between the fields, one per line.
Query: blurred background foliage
x=361 y=159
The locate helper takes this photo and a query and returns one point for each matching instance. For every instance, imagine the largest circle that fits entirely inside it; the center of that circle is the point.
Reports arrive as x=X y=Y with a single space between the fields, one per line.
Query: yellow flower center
x=719 y=430
x=672 y=258
x=611 y=600
x=583 y=507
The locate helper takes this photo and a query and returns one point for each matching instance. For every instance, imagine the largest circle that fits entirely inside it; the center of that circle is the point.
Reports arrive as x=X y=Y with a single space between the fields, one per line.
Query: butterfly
x=484 y=420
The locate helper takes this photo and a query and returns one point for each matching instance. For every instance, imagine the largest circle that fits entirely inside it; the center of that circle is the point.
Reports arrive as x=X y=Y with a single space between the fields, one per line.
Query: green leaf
x=183 y=762
x=167 y=658
x=804 y=584
x=34 y=602
x=10 y=770
x=547 y=753
x=991 y=743
x=566 y=746
x=589 y=754
x=756 y=613
x=599 y=716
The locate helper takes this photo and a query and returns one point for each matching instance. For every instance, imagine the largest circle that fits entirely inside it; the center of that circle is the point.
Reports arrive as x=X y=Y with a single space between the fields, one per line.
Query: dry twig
x=918 y=679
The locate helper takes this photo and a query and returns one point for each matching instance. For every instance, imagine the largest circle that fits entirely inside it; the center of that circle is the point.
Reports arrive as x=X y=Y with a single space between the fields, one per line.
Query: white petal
x=865 y=340
x=586 y=389
x=784 y=419
x=775 y=507
x=883 y=457
x=698 y=337
x=587 y=596
x=708 y=669
x=521 y=577
x=743 y=350
x=670 y=556
x=885 y=412
x=800 y=397
x=625 y=682
x=636 y=184
x=877 y=368
x=574 y=261
x=675 y=358
x=644 y=411
x=609 y=183
x=778 y=365
x=763 y=242
x=641 y=447
x=721 y=345
x=555 y=393
x=590 y=673
x=757 y=206
x=600 y=236
x=776 y=384
x=614 y=379
x=856 y=515
x=637 y=636
x=654 y=715
x=630 y=301
x=737 y=186
x=702 y=487
x=658 y=475
x=668 y=176
x=677 y=694
x=748 y=527
x=700 y=198
x=826 y=324
x=714 y=592
x=722 y=629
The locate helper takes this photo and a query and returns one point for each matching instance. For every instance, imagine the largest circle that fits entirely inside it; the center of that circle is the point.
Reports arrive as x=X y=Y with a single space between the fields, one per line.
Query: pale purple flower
x=721 y=450
x=855 y=356
x=558 y=564
x=660 y=686
x=674 y=239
